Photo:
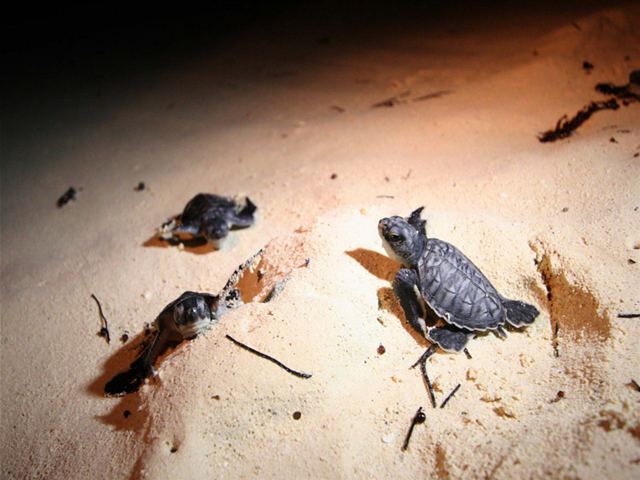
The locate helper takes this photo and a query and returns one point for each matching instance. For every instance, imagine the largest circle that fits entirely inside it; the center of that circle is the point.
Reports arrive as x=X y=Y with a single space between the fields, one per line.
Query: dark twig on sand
x=264 y=355
x=66 y=197
x=453 y=392
x=636 y=384
x=432 y=95
x=390 y=102
x=418 y=418
x=629 y=315
x=104 y=331
x=423 y=367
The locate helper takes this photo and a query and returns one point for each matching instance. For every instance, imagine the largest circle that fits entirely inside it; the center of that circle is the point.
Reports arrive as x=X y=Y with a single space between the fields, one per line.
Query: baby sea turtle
x=211 y=216
x=442 y=278
x=192 y=314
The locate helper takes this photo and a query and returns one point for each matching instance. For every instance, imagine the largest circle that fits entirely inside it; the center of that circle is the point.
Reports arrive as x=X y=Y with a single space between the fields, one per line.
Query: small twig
x=385 y=196
x=556 y=353
x=432 y=95
x=629 y=315
x=423 y=366
x=418 y=418
x=406 y=177
x=390 y=102
x=104 y=331
x=453 y=392
x=66 y=197
x=466 y=352
x=264 y=355
x=636 y=384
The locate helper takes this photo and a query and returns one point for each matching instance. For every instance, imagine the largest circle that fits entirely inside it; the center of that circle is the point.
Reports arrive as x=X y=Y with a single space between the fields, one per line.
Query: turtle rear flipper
x=189 y=228
x=449 y=338
x=520 y=313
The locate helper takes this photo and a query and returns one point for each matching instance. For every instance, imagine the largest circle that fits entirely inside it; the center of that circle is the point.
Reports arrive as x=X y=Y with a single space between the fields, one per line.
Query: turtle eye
x=394 y=237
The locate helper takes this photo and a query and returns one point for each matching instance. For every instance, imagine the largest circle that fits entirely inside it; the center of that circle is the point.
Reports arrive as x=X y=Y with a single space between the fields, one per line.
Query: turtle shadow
x=385 y=268
x=122 y=378
x=375 y=263
x=388 y=302
x=196 y=246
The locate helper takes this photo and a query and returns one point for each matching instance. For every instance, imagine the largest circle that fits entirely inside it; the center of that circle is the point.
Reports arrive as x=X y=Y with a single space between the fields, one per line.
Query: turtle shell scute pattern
x=457 y=290
x=204 y=206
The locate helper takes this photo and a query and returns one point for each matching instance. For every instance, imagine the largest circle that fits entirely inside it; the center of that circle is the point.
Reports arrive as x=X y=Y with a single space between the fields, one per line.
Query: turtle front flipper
x=129 y=381
x=167 y=333
x=244 y=216
x=191 y=229
x=405 y=287
x=449 y=338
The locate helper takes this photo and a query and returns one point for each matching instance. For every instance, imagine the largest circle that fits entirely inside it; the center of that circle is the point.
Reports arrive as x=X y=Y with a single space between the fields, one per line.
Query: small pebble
x=389 y=438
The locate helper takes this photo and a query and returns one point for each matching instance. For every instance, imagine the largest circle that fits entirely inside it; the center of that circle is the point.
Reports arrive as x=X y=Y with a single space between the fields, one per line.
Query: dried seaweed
x=565 y=126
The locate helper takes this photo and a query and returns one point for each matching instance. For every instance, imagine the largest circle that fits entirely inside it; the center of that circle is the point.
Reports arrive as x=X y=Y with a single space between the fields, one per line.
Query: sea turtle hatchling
x=192 y=314
x=449 y=284
x=211 y=216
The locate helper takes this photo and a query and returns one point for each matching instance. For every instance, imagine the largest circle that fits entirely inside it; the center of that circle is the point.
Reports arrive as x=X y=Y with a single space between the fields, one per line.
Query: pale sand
x=552 y=224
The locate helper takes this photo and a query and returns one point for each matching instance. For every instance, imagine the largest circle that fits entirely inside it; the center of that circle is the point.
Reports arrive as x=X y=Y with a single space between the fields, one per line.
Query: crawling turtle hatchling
x=189 y=316
x=211 y=216
x=442 y=278
x=192 y=314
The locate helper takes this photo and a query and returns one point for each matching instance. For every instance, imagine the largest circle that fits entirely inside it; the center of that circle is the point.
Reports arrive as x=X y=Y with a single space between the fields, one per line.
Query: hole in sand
x=572 y=307
x=173 y=446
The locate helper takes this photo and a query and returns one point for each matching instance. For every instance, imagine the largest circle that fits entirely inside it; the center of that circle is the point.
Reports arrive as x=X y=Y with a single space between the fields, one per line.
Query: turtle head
x=215 y=231
x=402 y=241
x=192 y=316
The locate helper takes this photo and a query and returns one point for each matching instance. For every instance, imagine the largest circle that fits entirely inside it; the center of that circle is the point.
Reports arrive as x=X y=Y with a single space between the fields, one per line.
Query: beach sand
x=283 y=110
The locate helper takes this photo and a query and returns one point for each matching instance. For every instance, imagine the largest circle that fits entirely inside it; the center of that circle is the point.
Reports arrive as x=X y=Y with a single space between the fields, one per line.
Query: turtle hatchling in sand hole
x=442 y=277
x=189 y=316
x=211 y=216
